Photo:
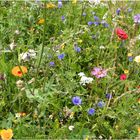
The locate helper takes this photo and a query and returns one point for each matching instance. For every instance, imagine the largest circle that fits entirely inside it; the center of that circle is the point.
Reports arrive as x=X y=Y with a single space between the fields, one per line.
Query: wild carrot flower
x=16 y=71
x=6 y=134
x=99 y=72
x=76 y=100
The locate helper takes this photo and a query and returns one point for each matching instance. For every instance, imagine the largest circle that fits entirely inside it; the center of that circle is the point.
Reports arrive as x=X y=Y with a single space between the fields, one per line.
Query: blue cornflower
x=130 y=59
x=101 y=104
x=104 y=23
x=108 y=96
x=52 y=64
x=118 y=11
x=76 y=100
x=90 y=23
x=91 y=111
x=77 y=49
x=63 y=18
x=60 y=4
x=61 y=56
x=129 y=10
x=96 y=18
x=96 y=23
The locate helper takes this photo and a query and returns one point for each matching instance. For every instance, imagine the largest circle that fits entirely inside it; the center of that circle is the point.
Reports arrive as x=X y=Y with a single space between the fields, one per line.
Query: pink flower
x=99 y=72
x=123 y=77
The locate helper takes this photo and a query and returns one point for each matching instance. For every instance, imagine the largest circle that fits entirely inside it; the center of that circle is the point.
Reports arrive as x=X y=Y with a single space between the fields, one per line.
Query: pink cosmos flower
x=99 y=72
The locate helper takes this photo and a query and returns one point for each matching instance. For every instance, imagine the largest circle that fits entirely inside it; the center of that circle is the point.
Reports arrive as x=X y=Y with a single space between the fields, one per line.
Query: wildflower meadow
x=69 y=69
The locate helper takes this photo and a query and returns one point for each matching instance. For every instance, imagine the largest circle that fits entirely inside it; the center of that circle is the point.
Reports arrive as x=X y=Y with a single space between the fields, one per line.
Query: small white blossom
x=71 y=127
x=85 y=80
x=102 y=47
x=96 y=2
x=17 y=115
x=81 y=74
x=17 y=32
x=12 y=45
x=26 y=56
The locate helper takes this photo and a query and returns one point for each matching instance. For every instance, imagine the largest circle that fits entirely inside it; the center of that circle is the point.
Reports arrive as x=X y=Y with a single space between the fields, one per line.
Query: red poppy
x=121 y=34
x=123 y=77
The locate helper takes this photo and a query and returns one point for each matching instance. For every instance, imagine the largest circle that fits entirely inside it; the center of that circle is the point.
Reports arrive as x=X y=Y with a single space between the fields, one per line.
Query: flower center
x=19 y=72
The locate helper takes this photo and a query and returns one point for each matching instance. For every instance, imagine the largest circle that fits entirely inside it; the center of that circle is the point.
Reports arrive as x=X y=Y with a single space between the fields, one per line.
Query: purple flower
x=60 y=4
x=90 y=23
x=99 y=72
x=76 y=100
x=104 y=23
x=61 y=56
x=84 y=14
x=137 y=18
x=96 y=18
x=96 y=23
x=52 y=64
x=108 y=96
x=91 y=111
x=118 y=11
x=101 y=104
x=130 y=59
x=77 y=49
x=94 y=36
x=63 y=18
x=129 y=10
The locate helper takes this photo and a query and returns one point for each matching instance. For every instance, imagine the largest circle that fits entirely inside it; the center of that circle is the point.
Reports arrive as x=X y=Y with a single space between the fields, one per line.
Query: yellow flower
x=138 y=130
x=74 y=1
x=62 y=46
x=50 y=5
x=6 y=134
x=126 y=71
x=41 y=21
x=80 y=41
x=129 y=54
x=137 y=59
x=71 y=115
x=139 y=100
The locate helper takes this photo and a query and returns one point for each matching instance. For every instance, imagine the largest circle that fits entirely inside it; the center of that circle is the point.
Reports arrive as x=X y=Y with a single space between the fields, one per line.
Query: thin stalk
x=43 y=45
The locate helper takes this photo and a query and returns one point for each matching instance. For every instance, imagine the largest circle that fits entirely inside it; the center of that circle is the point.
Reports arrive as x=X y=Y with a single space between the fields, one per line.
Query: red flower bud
x=121 y=34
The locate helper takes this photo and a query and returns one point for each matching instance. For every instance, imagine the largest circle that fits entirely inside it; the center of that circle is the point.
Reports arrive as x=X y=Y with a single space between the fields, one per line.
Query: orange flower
x=6 y=134
x=41 y=21
x=138 y=130
x=16 y=71
x=139 y=100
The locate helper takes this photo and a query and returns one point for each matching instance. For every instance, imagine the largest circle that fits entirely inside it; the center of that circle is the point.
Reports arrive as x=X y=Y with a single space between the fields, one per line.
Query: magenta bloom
x=99 y=72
